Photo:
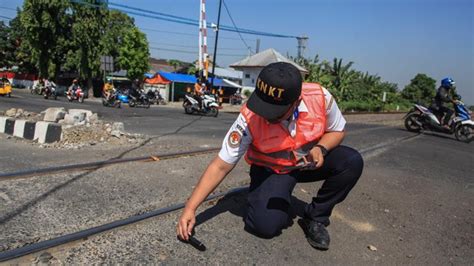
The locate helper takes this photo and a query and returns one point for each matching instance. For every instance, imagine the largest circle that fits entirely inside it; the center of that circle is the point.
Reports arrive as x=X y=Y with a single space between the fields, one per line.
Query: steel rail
x=19 y=252
x=98 y=164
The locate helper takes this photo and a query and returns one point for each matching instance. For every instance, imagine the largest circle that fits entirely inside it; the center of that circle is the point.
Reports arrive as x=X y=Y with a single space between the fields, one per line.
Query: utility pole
x=257 y=48
x=203 y=55
x=302 y=40
x=215 y=44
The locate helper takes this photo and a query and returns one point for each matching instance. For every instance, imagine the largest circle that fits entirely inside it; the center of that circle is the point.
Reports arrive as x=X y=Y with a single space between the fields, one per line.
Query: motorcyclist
x=74 y=86
x=443 y=96
x=199 y=92
x=50 y=85
x=108 y=89
x=41 y=85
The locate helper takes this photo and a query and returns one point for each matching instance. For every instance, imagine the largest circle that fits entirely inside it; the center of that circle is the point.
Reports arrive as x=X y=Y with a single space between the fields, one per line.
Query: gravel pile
x=100 y=133
x=22 y=114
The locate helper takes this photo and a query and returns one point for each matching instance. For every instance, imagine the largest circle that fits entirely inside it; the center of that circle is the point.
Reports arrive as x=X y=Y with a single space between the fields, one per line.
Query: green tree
x=6 y=51
x=342 y=76
x=422 y=88
x=118 y=24
x=134 y=54
x=43 y=23
x=21 y=47
x=175 y=64
x=88 y=27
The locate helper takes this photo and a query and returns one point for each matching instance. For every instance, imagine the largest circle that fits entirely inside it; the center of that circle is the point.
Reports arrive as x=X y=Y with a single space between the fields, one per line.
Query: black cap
x=278 y=87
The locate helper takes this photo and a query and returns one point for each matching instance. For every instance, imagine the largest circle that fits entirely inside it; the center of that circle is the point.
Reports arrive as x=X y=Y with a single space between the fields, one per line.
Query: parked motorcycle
x=422 y=118
x=138 y=98
x=78 y=95
x=155 y=97
x=209 y=105
x=113 y=100
x=50 y=91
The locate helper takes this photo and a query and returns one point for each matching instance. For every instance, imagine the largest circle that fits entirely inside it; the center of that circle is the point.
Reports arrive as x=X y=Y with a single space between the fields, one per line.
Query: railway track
x=84 y=234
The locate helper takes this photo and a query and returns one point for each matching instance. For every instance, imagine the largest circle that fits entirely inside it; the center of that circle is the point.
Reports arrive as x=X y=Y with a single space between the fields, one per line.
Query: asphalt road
x=154 y=121
x=414 y=202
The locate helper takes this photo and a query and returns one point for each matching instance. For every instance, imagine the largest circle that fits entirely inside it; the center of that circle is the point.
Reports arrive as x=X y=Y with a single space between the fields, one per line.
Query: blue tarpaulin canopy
x=191 y=79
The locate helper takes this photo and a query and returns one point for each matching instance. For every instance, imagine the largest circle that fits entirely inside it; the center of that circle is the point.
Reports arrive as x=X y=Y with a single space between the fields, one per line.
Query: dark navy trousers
x=269 y=198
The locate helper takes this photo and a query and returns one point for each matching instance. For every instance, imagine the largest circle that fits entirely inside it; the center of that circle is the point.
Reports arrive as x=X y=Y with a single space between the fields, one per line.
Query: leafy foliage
x=354 y=90
x=133 y=54
x=49 y=37
x=421 y=89
x=44 y=24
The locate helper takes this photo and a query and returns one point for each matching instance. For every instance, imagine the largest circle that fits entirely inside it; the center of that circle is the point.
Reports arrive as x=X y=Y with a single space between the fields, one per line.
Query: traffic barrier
x=46 y=132
x=43 y=132
x=19 y=128
x=7 y=125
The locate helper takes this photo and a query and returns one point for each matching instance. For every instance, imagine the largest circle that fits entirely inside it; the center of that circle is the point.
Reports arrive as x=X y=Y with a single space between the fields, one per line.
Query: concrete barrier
x=46 y=132
x=7 y=125
x=43 y=132
x=19 y=128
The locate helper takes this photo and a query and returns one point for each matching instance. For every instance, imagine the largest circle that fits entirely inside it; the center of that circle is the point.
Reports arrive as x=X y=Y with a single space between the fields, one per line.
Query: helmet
x=447 y=83
x=109 y=80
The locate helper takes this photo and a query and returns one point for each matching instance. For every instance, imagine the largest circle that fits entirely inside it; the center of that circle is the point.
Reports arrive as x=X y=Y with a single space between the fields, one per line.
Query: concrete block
x=54 y=114
x=9 y=126
x=19 y=128
x=87 y=113
x=29 y=132
x=3 y=121
x=54 y=133
x=46 y=132
x=74 y=119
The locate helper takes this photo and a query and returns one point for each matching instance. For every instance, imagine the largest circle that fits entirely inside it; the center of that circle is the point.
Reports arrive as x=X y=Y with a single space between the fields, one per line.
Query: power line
x=189 y=34
x=7 y=8
x=181 y=20
x=189 y=52
x=192 y=46
x=235 y=26
x=5 y=17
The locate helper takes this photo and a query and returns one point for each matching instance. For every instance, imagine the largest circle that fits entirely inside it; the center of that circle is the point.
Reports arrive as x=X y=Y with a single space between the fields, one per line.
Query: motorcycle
x=155 y=97
x=422 y=118
x=209 y=105
x=50 y=91
x=37 y=89
x=112 y=101
x=78 y=95
x=137 y=98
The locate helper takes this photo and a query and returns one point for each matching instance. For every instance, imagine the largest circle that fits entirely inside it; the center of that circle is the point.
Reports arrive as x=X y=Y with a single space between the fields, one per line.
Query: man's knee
x=265 y=227
x=267 y=219
x=353 y=163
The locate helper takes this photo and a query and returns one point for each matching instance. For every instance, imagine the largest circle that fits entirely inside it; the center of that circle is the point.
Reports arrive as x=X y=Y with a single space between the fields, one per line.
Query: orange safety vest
x=273 y=146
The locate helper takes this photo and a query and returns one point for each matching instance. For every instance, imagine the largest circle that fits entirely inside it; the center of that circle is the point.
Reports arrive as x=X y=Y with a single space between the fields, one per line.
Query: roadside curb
x=43 y=132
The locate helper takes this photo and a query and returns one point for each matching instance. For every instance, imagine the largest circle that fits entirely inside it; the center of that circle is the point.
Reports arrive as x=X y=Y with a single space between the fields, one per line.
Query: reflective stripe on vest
x=272 y=145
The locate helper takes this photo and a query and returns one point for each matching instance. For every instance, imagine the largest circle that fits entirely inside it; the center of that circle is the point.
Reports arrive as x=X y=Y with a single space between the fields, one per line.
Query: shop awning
x=157 y=79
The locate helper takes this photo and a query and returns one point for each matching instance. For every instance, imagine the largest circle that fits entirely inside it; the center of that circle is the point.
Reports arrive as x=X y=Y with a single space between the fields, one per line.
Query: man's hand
x=185 y=224
x=315 y=155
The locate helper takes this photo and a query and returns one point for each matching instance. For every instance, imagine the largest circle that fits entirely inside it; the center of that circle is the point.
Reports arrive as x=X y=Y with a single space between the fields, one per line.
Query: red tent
x=157 y=79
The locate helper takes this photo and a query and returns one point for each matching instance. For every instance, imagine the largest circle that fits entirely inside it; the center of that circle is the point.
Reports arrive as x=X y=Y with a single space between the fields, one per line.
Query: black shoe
x=316 y=234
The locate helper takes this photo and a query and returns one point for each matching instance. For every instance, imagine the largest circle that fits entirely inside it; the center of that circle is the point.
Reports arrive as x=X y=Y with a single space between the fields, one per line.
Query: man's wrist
x=323 y=149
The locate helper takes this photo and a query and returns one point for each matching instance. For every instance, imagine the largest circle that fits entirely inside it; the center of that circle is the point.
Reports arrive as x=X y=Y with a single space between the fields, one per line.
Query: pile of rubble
x=80 y=128
x=22 y=114
x=83 y=128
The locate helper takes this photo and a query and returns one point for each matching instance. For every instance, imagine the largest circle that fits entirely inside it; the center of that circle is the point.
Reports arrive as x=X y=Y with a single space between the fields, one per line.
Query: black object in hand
x=195 y=243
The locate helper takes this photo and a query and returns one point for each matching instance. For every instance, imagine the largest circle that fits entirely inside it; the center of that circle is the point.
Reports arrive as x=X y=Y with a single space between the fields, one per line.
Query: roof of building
x=190 y=79
x=263 y=59
x=227 y=73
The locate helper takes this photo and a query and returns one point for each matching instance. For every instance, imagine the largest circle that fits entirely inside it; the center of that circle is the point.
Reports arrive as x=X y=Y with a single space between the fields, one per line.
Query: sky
x=395 y=39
